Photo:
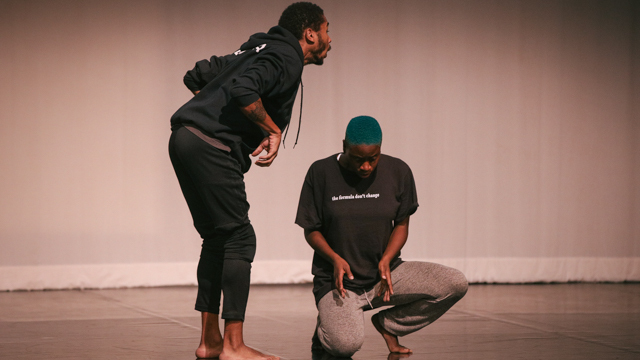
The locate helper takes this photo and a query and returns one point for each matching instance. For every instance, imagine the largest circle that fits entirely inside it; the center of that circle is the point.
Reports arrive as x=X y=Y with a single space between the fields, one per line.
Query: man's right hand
x=340 y=266
x=340 y=269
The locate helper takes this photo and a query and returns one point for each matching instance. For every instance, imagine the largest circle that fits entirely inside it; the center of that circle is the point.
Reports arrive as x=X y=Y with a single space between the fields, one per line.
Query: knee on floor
x=459 y=285
x=343 y=346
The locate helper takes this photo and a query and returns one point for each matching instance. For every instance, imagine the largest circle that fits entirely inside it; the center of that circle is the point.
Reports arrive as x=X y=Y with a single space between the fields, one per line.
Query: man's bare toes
x=396 y=356
x=401 y=350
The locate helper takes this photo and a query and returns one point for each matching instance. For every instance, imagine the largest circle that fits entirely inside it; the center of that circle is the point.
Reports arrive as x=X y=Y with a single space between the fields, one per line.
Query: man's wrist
x=335 y=258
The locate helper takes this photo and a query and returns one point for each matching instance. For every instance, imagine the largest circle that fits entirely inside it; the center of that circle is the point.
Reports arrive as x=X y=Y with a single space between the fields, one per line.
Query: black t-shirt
x=356 y=216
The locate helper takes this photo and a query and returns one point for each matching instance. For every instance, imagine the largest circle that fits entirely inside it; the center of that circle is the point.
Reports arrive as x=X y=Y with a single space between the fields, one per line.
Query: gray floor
x=565 y=321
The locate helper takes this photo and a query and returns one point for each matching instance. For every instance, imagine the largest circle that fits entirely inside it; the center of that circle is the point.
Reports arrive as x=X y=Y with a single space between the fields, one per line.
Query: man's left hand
x=386 y=285
x=271 y=144
x=257 y=113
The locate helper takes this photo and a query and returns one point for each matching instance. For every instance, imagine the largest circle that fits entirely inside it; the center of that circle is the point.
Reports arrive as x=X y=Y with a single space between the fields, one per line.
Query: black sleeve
x=309 y=215
x=270 y=74
x=408 y=197
x=203 y=73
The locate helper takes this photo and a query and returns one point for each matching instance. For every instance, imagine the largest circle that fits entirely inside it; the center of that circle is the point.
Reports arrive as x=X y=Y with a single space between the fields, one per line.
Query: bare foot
x=244 y=353
x=392 y=340
x=211 y=341
x=234 y=347
x=396 y=356
x=204 y=352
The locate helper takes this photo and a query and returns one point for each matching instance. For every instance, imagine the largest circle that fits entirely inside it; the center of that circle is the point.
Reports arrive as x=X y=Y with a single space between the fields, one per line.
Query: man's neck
x=306 y=53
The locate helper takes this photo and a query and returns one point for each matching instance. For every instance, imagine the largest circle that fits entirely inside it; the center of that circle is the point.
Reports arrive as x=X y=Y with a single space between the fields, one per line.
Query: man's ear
x=344 y=146
x=310 y=36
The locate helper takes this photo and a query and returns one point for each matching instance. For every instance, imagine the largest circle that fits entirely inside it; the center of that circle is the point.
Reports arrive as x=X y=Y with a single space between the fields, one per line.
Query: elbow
x=190 y=83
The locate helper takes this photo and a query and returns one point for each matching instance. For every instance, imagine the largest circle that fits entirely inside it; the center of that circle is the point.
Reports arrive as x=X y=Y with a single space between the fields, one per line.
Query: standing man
x=354 y=209
x=243 y=101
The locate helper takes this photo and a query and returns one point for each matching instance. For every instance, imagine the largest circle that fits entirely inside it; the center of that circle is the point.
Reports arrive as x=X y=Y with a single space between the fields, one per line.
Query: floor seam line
x=156 y=315
x=557 y=333
x=146 y=312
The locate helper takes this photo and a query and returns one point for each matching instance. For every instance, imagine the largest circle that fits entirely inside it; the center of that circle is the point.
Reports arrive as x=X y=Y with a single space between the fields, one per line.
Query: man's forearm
x=316 y=240
x=340 y=267
x=397 y=240
x=258 y=114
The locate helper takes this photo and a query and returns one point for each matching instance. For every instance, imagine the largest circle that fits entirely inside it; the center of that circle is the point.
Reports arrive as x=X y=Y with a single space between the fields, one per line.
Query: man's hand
x=271 y=144
x=340 y=269
x=257 y=113
x=396 y=242
x=386 y=285
x=340 y=266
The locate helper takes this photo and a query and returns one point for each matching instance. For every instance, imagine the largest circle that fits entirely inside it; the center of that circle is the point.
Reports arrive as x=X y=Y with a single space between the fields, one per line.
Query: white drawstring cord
x=366 y=297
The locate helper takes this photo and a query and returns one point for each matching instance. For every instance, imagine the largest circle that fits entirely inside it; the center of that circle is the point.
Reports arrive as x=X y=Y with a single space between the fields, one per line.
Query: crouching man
x=354 y=208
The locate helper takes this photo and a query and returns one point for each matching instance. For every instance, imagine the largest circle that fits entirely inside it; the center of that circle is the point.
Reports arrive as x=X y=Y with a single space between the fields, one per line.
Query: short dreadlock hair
x=301 y=15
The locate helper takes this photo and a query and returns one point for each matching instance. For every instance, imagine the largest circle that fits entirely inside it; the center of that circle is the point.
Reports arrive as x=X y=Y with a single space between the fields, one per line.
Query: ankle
x=233 y=334
x=233 y=343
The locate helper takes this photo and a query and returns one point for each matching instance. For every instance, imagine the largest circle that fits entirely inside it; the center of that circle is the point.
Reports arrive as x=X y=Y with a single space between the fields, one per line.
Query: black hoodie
x=268 y=67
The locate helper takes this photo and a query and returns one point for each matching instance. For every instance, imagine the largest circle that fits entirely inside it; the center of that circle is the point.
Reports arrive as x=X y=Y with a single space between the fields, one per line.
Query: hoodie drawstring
x=299 y=119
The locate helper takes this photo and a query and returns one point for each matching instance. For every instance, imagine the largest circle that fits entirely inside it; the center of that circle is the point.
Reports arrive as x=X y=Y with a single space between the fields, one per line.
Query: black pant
x=213 y=185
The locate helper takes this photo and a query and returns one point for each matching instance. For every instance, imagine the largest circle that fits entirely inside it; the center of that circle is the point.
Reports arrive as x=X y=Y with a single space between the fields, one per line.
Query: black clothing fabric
x=212 y=184
x=209 y=148
x=268 y=67
x=356 y=216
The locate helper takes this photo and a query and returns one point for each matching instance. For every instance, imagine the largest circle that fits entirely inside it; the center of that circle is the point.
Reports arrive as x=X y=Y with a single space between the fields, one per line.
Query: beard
x=317 y=54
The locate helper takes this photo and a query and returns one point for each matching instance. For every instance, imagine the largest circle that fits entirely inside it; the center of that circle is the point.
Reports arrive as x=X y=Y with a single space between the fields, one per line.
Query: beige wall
x=520 y=120
x=635 y=120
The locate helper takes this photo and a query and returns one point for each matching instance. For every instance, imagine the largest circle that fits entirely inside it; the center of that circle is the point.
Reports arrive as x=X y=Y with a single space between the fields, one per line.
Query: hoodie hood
x=276 y=33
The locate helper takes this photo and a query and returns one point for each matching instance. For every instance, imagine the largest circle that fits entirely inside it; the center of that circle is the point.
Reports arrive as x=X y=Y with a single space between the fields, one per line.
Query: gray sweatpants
x=422 y=293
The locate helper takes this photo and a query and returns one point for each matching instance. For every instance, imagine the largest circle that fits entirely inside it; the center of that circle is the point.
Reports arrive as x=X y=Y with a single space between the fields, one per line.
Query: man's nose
x=366 y=166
